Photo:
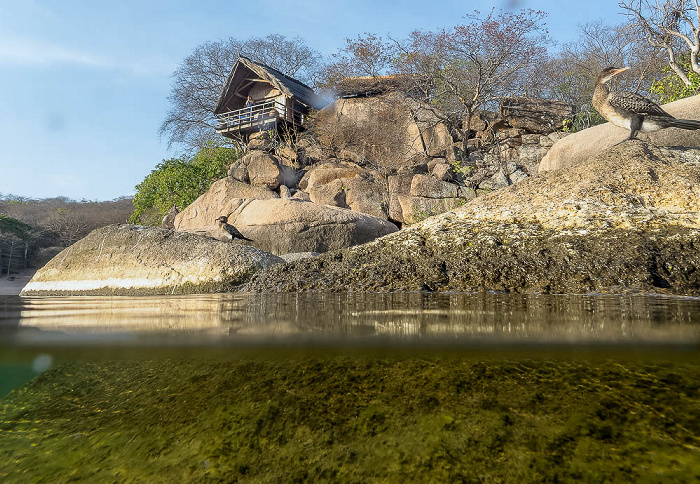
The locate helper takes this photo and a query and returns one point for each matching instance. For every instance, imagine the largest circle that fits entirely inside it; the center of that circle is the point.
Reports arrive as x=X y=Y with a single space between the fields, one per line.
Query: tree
x=670 y=25
x=368 y=55
x=198 y=81
x=670 y=87
x=178 y=182
x=12 y=233
x=570 y=75
x=475 y=64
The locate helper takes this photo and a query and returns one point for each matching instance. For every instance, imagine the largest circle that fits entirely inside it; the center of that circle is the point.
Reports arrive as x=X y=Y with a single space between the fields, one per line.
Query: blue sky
x=84 y=85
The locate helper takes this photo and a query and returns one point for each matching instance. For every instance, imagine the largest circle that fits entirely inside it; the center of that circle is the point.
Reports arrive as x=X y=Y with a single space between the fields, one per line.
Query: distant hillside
x=32 y=230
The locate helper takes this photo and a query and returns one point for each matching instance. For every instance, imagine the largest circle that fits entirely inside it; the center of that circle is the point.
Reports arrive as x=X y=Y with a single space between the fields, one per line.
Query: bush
x=178 y=182
x=671 y=88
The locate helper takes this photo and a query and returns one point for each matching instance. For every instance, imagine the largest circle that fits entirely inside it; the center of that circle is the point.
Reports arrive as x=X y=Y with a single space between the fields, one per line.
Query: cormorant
x=631 y=111
x=229 y=231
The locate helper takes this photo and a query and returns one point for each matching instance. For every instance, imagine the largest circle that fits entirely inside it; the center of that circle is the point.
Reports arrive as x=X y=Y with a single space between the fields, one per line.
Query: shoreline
x=13 y=285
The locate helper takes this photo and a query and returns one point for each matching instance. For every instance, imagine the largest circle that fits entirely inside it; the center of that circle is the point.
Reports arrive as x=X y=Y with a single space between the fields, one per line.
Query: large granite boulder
x=627 y=219
x=262 y=169
x=387 y=131
x=221 y=198
x=579 y=146
x=136 y=260
x=286 y=225
x=347 y=185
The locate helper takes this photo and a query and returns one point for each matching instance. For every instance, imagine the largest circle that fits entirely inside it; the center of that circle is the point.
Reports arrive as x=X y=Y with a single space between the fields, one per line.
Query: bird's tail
x=685 y=124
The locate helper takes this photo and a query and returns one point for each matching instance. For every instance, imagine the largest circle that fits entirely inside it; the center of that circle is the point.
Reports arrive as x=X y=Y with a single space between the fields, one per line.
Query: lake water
x=350 y=319
x=69 y=327
x=349 y=387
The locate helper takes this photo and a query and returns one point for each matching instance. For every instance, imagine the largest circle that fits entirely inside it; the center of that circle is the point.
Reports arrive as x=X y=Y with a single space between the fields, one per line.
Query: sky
x=84 y=85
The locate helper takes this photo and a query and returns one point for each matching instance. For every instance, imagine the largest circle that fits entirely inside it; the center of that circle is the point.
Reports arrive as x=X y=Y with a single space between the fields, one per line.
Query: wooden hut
x=414 y=85
x=276 y=98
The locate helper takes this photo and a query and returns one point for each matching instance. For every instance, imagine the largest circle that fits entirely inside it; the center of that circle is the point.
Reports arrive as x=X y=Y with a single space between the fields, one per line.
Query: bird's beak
x=621 y=70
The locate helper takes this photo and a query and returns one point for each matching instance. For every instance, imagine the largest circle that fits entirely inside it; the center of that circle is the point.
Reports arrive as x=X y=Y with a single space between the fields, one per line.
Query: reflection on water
x=414 y=317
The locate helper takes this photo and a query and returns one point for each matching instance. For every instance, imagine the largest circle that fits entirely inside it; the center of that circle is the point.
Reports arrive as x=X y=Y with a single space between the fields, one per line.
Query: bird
x=229 y=231
x=631 y=111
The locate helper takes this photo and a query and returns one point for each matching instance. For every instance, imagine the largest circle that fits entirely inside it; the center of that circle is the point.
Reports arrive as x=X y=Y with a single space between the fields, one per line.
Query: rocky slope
x=584 y=144
x=626 y=219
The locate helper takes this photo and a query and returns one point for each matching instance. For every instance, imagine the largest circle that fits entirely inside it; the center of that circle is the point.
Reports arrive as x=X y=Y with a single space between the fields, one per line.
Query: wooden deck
x=259 y=117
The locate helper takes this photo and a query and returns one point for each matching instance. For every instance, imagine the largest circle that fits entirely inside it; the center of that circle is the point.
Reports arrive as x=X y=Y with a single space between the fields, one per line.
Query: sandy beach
x=11 y=286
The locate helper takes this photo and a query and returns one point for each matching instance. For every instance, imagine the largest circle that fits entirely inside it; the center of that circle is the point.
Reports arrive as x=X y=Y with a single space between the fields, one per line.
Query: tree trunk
x=466 y=130
x=9 y=259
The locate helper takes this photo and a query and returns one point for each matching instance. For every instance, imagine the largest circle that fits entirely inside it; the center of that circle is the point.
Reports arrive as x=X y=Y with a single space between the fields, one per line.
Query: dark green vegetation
x=177 y=182
x=355 y=418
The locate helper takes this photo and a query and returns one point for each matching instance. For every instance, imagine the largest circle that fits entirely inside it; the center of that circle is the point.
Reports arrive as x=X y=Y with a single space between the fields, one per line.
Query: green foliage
x=178 y=182
x=671 y=88
x=9 y=225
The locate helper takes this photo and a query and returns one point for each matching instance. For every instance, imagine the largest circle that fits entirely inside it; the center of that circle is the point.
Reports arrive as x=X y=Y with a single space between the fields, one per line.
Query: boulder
x=263 y=170
x=136 y=260
x=367 y=195
x=627 y=219
x=324 y=173
x=288 y=225
x=331 y=193
x=535 y=115
x=428 y=186
x=347 y=185
x=388 y=131
x=579 y=146
x=221 y=199
x=398 y=185
x=441 y=171
x=260 y=141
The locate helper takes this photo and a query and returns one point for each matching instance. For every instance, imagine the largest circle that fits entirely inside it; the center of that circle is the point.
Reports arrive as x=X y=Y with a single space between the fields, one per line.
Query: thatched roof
x=240 y=78
x=374 y=85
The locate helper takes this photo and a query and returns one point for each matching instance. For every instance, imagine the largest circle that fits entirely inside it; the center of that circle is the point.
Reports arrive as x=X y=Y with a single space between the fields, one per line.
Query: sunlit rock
x=132 y=259
x=625 y=220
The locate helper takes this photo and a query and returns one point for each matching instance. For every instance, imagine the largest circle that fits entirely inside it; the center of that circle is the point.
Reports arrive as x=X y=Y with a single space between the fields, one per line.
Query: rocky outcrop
x=627 y=219
x=135 y=260
x=285 y=225
x=223 y=197
x=389 y=131
x=577 y=147
x=262 y=169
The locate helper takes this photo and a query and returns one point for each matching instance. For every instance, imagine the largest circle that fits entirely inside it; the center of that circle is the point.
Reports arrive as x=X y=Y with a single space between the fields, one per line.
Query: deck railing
x=257 y=115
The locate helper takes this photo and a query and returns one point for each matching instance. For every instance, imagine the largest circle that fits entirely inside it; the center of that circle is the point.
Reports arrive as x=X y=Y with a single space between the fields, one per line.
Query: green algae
x=327 y=417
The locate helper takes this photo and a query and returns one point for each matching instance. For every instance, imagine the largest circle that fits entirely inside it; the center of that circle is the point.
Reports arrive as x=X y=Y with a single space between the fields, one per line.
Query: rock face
x=223 y=197
x=285 y=225
x=579 y=146
x=627 y=219
x=390 y=130
x=135 y=260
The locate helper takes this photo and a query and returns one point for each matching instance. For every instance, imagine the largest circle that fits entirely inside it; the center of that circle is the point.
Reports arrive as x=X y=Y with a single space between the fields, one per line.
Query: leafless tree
x=570 y=75
x=198 y=81
x=670 y=25
x=366 y=55
x=475 y=64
